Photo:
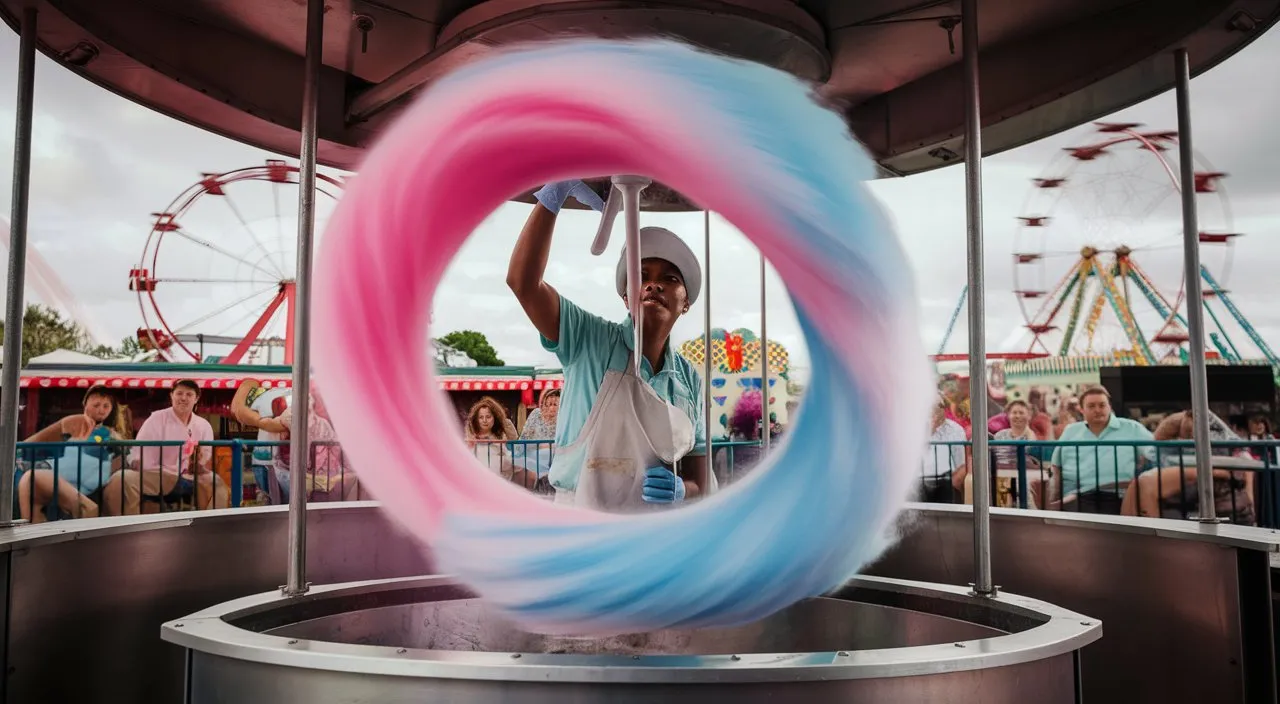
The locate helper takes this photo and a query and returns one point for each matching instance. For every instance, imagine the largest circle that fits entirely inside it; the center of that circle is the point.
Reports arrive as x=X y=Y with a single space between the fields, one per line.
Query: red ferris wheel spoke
x=256 y=331
x=215 y=248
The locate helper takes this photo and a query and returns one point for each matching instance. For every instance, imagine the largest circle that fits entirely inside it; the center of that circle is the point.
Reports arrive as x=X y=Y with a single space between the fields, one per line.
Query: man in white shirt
x=944 y=466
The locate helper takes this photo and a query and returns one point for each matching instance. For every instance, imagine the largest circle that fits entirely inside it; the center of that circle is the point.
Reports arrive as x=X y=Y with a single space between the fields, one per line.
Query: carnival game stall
x=736 y=369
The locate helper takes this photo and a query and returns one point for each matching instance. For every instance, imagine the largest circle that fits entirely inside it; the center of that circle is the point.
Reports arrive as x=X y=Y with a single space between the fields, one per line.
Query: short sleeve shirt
x=268 y=403
x=590 y=346
x=165 y=425
x=1086 y=467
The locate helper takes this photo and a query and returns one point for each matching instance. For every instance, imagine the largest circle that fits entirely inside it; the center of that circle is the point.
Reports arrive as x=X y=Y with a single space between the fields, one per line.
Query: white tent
x=61 y=356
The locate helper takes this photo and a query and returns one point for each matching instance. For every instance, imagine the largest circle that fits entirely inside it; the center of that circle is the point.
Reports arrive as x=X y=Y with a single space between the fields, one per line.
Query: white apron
x=630 y=428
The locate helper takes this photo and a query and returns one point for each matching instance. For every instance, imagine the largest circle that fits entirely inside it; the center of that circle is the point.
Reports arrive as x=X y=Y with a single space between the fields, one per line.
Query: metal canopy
x=235 y=67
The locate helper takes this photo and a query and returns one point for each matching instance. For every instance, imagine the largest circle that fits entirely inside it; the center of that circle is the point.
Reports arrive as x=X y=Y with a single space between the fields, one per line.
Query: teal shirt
x=1084 y=468
x=590 y=346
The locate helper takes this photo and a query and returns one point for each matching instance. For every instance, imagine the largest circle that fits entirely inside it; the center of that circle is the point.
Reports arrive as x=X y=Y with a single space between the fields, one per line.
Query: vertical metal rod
x=15 y=303
x=706 y=341
x=1195 y=298
x=296 y=583
x=631 y=186
x=764 y=360
x=981 y=473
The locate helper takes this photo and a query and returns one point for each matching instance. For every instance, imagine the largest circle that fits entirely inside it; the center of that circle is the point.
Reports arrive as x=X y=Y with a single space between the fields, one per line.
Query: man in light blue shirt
x=589 y=347
x=1094 y=478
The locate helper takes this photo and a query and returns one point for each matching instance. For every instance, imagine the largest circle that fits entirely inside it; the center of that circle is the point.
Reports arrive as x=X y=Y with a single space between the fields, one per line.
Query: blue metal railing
x=1153 y=478
x=118 y=478
x=1149 y=478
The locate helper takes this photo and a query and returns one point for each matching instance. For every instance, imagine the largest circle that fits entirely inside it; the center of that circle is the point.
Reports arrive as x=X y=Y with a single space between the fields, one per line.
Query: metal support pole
x=1195 y=299
x=299 y=450
x=764 y=361
x=631 y=186
x=981 y=471
x=706 y=342
x=15 y=303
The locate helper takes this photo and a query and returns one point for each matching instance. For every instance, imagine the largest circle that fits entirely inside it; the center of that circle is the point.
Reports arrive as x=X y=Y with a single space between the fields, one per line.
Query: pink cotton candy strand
x=423 y=268
x=451 y=492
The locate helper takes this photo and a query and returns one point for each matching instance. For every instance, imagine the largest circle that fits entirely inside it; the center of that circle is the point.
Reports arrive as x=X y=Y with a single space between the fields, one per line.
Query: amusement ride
x=226 y=241
x=1097 y=263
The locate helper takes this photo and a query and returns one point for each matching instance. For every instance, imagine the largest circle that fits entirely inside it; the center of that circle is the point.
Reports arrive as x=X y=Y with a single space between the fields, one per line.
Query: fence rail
x=83 y=479
x=1146 y=478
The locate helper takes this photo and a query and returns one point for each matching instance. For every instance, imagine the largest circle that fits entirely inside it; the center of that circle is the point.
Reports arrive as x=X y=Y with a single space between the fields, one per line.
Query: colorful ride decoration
x=735 y=369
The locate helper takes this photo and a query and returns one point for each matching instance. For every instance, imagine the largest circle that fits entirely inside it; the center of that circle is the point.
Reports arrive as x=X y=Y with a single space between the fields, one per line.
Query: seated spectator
x=487 y=432
x=1094 y=479
x=745 y=426
x=328 y=476
x=1171 y=491
x=256 y=406
x=1040 y=422
x=169 y=474
x=539 y=432
x=1019 y=413
x=80 y=471
x=944 y=467
x=1068 y=413
x=541 y=424
x=1260 y=429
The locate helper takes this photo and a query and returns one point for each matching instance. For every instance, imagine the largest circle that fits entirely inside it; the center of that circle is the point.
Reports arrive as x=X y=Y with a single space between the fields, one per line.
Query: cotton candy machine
x=428 y=639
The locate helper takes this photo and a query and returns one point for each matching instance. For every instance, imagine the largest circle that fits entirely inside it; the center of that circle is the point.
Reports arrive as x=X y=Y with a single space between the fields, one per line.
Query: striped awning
x=449 y=383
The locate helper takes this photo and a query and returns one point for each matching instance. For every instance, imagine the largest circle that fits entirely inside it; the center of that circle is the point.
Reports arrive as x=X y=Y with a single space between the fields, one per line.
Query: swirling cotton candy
x=741 y=139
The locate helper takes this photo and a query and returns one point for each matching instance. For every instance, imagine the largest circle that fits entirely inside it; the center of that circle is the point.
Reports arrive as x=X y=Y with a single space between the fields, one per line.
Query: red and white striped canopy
x=451 y=383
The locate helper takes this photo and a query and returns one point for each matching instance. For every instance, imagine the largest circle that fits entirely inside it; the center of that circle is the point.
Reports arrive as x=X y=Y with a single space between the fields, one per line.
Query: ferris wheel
x=218 y=267
x=1098 y=256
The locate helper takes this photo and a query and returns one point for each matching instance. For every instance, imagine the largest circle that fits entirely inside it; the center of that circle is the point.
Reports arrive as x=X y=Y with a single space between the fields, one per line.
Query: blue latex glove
x=553 y=195
x=662 y=486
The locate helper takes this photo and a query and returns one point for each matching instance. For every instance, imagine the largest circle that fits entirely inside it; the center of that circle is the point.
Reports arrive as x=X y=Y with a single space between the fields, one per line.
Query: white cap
x=661 y=243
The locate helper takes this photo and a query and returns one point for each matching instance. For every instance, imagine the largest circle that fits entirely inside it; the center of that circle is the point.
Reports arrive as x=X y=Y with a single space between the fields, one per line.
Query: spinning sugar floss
x=744 y=140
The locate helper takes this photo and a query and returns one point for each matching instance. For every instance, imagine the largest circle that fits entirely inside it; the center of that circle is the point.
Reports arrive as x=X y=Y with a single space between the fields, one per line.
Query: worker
x=626 y=438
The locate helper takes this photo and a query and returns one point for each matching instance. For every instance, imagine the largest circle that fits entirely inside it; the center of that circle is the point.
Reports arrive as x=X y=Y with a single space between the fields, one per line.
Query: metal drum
x=428 y=639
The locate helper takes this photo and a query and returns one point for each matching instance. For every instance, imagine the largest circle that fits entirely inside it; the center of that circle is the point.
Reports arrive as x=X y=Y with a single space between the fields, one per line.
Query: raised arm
x=246 y=415
x=528 y=265
x=77 y=425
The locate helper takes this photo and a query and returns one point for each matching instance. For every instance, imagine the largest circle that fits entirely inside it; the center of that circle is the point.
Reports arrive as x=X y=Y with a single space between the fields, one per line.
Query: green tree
x=129 y=347
x=45 y=330
x=475 y=345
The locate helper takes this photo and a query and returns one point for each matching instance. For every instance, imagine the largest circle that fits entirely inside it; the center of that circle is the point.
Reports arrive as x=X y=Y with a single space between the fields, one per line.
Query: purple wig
x=746 y=414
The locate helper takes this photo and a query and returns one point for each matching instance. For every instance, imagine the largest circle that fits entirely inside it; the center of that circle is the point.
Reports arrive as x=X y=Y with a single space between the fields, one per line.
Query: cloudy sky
x=102 y=165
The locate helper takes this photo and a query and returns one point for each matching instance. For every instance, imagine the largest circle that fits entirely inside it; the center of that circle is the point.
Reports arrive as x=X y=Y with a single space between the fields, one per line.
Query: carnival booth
x=735 y=370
